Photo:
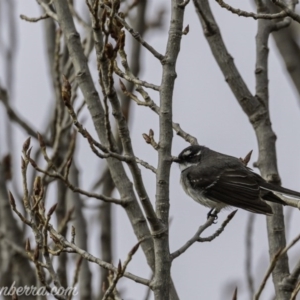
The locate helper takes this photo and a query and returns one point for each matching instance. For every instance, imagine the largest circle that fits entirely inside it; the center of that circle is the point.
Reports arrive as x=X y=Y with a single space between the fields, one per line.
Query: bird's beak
x=175 y=159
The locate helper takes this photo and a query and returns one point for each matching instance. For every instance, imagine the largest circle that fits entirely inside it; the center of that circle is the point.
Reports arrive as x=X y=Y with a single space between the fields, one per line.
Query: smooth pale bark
x=257 y=111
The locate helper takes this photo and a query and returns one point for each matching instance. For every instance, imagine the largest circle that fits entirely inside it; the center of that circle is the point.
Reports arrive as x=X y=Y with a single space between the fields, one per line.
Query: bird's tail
x=270 y=196
x=276 y=188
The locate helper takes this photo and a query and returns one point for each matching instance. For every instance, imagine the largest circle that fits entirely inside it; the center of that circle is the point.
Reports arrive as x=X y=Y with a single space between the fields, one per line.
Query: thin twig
x=195 y=238
x=249 y=258
x=76 y=275
x=124 y=134
x=48 y=10
x=134 y=79
x=66 y=92
x=15 y=117
x=284 y=13
x=135 y=34
x=94 y=259
x=145 y=165
x=293 y=277
x=295 y=291
x=121 y=271
x=28 y=19
x=14 y=208
x=234 y=296
x=255 y=16
x=273 y=263
x=76 y=189
x=153 y=106
x=290 y=13
x=218 y=231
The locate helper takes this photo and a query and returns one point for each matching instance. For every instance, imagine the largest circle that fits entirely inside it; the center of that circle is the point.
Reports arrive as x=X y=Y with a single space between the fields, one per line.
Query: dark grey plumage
x=217 y=180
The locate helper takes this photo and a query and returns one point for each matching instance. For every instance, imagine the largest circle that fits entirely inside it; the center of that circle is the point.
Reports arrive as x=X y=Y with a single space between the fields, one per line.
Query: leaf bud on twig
x=26 y=144
x=146 y=138
x=51 y=210
x=11 y=199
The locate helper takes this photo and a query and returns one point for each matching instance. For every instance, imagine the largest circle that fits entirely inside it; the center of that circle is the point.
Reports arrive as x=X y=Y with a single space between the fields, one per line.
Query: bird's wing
x=233 y=187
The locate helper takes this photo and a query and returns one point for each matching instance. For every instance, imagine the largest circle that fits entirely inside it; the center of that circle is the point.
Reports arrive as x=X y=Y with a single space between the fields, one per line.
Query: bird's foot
x=213 y=213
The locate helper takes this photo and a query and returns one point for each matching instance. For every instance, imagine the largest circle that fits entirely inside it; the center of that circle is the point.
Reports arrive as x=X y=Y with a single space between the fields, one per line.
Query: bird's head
x=189 y=156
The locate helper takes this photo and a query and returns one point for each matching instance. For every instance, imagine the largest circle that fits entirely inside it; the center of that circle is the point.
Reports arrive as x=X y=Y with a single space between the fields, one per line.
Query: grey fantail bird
x=217 y=181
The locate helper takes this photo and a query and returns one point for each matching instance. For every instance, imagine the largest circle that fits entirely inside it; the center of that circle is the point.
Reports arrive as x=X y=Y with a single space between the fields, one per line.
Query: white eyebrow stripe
x=187 y=152
x=198 y=153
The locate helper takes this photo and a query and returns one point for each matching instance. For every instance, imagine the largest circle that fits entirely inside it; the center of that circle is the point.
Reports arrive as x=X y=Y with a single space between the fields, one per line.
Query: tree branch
x=135 y=34
x=86 y=84
x=274 y=261
x=161 y=279
x=258 y=115
x=94 y=259
x=196 y=237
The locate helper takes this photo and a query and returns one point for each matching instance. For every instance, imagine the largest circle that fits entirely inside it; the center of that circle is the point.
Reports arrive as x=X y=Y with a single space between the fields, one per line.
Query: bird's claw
x=213 y=214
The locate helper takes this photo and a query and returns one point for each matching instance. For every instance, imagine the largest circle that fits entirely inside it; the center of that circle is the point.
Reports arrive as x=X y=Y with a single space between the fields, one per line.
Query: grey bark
x=60 y=214
x=80 y=224
x=105 y=219
x=161 y=242
x=286 y=42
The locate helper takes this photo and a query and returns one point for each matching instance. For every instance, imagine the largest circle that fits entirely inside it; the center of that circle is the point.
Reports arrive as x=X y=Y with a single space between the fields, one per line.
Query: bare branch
x=121 y=271
x=286 y=12
x=234 y=296
x=295 y=291
x=184 y=3
x=255 y=16
x=106 y=80
x=161 y=279
x=76 y=274
x=249 y=257
x=146 y=165
x=28 y=19
x=86 y=84
x=47 y=10
x=196 y=237
x=134 y=79
x=258 y=114
x=220 y=230
x=135 y=34
x=293 y=280
x=14 y=116
x=290 y=12
x=94 y=259
x=76 y=189
x=273 y=263
x=153 y=106
x=78 y=17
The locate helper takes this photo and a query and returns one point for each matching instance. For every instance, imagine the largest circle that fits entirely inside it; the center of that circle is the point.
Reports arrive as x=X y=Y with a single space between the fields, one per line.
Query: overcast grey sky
x=205 y=107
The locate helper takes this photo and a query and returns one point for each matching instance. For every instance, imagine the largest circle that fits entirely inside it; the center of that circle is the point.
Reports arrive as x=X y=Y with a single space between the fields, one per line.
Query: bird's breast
x=199 y=195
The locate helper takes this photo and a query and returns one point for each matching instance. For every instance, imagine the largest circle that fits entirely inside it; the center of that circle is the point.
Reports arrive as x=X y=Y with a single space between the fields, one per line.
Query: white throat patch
x=185 y=166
